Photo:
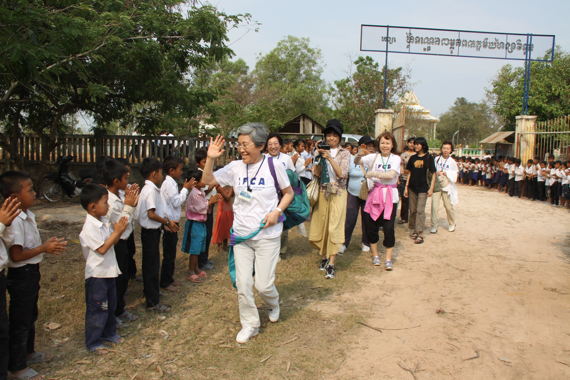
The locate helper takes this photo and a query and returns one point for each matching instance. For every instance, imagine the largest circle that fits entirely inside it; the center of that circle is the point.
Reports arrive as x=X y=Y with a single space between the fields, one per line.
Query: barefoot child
x=101 y=268
x=224 y=218
x=26 y=251
x=195 y=230
x=173 y=200
x=117 y=179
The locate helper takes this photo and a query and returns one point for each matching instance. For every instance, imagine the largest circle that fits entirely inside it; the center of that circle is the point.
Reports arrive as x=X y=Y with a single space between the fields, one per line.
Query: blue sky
x=334 y=27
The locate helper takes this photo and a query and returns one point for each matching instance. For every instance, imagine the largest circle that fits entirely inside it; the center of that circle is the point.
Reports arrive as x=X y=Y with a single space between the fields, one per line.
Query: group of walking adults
x=367 y=182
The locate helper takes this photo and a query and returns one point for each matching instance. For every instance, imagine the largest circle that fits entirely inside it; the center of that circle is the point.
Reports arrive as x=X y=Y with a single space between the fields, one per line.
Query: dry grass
x=197 y=340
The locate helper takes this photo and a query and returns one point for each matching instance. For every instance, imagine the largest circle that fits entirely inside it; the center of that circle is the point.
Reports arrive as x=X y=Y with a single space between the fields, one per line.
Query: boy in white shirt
x=101 y=268
x=173 y=200
x=26 y=251
x=151 y=218
x=519 y=174
x=8 y=213
x=541 y=181
x=117 y=179
x=565 y=173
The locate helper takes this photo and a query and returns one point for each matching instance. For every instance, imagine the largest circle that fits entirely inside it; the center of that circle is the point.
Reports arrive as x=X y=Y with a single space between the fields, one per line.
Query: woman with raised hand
x=329 y=213
x=383 y=169
x=257 y=220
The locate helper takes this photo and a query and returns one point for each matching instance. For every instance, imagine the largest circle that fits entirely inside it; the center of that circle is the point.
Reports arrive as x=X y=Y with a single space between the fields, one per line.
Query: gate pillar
x=383 y=120
x=525 y=144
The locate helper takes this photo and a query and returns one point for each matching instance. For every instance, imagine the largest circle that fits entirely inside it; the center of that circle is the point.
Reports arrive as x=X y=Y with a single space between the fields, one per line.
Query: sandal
x=28 y=374
x=402 y=222
x=160 y=308
x=203 y=274
x=129 y=316
x=114 y=339
x=414 y=236
x=101 y=350
x=38 y=357
x=419 y=240
x=194 y=278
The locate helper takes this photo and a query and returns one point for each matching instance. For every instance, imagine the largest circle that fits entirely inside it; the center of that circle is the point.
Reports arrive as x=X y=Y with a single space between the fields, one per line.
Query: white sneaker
x=246 y=334
x=433 y=230
x=341 y=250
x=365 y=248
x=451 y=228
x=301 y=229
x=274 y=314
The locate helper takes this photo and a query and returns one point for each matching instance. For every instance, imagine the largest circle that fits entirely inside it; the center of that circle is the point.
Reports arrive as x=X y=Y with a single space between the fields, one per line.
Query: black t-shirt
x=418 y=167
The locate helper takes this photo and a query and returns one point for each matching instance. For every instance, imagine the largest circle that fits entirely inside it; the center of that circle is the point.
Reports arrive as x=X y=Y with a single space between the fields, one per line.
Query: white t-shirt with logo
x=248 y=215
x=383 y=166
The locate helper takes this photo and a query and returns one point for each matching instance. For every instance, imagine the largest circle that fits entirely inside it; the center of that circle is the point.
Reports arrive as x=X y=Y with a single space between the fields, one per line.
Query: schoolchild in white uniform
x=151 y=218
x=25 y=253
x=101 y=268
x=8 y=212
x=173 y=199
x=117 y=179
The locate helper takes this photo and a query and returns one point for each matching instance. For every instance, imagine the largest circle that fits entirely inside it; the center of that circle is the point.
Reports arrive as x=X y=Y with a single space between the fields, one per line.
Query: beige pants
x=435 y=198
x=417 y=210
x=327 y=225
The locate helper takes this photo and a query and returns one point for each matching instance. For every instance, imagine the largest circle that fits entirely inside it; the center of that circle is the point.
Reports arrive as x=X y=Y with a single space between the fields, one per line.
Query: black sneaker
x=330 y=271
x=324 y=263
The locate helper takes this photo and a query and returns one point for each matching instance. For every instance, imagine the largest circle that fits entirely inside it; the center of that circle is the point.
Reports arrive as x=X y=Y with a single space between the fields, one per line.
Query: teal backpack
x=299 y=209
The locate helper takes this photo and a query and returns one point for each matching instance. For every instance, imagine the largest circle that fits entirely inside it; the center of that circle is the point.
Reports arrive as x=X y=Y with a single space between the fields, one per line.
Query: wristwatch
x=167 y=222
x=280 y=211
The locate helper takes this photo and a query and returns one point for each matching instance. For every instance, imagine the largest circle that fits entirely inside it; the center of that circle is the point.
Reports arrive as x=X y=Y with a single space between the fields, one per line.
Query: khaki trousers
x=327 y=225
x=435 y=198
x=417 y=210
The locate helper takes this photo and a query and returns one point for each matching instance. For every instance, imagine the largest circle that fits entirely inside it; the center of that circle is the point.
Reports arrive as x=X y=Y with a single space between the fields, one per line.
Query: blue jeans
x=101 y=301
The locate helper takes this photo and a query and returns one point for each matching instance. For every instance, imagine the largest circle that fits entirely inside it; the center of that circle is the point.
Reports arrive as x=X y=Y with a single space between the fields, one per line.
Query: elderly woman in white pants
x=447 y=173
x=256 y=203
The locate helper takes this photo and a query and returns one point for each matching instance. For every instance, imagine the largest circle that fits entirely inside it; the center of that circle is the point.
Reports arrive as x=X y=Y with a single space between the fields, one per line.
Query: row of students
x=546 y=181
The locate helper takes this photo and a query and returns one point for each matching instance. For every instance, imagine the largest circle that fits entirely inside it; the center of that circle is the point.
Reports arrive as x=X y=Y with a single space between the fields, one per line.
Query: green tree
x=287 y=82
x=356 y=97
x=474 y=121
x=103 y=59
x=549 y=93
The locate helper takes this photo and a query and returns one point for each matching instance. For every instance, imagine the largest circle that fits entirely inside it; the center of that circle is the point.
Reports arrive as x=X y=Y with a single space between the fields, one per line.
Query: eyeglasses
x=243 y=146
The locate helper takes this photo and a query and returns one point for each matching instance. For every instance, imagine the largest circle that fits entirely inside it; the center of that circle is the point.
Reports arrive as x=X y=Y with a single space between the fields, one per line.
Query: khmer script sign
x=456 y=43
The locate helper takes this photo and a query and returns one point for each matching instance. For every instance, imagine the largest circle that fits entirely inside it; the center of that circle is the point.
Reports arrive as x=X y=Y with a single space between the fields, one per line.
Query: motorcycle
x=56 y=185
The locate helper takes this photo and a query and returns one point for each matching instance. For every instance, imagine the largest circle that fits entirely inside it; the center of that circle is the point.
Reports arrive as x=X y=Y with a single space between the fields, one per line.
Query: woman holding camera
x=329 y=213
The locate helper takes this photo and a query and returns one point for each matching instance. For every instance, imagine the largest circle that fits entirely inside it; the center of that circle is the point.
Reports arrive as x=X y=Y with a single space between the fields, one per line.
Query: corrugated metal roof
x=496 y=137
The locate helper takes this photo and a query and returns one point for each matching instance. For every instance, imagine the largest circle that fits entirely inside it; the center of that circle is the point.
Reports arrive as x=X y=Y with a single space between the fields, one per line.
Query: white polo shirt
x=93 y=235
x=7 y=235
x=118 y=209
x=27 y=236
x=149 y=198
x=172 y=199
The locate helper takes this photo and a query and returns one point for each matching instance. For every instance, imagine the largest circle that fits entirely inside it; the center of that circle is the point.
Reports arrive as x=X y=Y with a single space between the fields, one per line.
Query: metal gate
x=550 y=137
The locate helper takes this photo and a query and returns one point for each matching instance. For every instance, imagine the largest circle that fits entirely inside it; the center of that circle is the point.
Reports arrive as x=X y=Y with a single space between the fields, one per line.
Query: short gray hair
x=257 y=132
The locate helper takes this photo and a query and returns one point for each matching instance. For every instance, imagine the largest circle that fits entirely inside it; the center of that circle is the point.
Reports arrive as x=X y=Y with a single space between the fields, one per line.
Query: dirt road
x=489 y=301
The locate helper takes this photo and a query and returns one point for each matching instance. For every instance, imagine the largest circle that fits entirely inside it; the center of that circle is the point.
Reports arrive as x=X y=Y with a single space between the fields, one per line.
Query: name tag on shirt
x=245 y=195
